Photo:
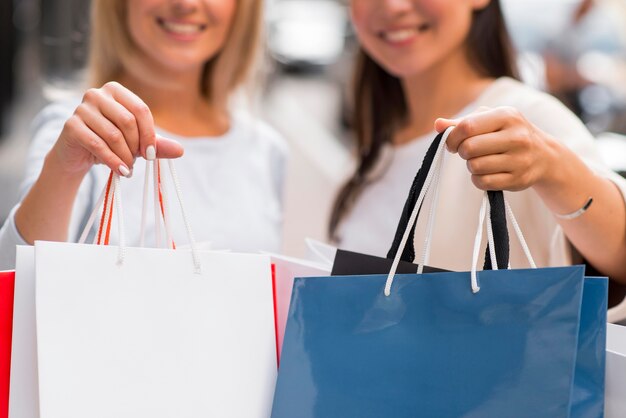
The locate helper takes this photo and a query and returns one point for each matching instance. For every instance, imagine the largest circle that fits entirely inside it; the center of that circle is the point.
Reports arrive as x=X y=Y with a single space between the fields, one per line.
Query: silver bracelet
x=577 y=213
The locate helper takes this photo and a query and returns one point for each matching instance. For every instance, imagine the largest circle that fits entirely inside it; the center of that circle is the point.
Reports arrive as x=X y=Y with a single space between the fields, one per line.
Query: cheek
x=358 y=11
x=453 y=17
x=362 y=16
x=223 y=11
x=138 y=20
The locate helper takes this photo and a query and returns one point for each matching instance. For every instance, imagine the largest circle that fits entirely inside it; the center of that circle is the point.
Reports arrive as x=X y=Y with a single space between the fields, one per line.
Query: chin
x=178 y=63
x=407 y=69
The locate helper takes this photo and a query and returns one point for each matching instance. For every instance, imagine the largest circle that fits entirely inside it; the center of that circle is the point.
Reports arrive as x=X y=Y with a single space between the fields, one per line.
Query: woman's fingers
x=442 y=124
x=485 y=144
x=115 y=138
x=478 y=123
x=113 y=126
x=491 y=164
x=123 y=119
x=168 y=148
x=141 y=113
x=499 y=181
x=98 y=148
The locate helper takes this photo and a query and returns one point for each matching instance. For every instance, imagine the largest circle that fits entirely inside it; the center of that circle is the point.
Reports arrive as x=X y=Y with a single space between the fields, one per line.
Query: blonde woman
x=160 y=69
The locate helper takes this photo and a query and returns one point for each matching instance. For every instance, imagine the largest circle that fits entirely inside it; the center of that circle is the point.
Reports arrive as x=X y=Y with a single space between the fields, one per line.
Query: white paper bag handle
x=111 y=194
x=161 y=207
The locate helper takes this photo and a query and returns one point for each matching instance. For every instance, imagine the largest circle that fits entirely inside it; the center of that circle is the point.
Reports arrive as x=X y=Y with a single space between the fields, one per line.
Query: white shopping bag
x=147 y=332
x=615 y=395
x=23 y=394
x=320 y=252
x=286 y=269
x=151 y=338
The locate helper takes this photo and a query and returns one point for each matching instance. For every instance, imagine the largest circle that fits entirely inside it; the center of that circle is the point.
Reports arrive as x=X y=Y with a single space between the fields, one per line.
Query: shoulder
x=48 y=123
x=58 y=110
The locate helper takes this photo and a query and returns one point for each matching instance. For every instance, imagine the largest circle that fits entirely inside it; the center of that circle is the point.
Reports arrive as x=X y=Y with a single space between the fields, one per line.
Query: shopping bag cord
x=413 y=216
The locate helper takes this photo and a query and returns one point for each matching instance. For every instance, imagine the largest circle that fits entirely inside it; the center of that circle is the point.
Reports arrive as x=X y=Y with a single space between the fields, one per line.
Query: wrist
x=555 y=172
x=55 y=167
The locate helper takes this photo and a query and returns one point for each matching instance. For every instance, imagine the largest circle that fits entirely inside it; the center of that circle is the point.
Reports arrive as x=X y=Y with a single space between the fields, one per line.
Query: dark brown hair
x=380 y=105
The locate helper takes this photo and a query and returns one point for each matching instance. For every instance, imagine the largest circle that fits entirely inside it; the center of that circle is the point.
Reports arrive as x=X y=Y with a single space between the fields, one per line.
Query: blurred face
x=408 y=37
x=180 y=34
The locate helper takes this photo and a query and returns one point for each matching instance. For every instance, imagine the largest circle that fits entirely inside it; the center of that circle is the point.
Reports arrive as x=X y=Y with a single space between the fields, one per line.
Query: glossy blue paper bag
x=588 y=391
x=432 y=348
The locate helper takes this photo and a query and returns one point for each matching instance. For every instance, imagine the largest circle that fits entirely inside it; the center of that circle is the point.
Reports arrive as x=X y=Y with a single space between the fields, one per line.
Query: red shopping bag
x=7 y=282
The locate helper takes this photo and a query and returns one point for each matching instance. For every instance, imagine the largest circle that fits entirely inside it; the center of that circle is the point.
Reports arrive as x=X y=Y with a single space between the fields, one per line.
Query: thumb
x=168 y=148
x=442 y=124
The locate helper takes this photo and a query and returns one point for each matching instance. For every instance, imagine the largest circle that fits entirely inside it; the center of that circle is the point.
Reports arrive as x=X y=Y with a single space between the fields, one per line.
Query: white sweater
x=232 y=187
x=371 y=225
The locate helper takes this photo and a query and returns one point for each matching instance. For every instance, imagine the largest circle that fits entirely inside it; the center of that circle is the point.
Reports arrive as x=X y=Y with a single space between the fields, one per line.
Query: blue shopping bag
x=432 y=348
x=529 y=344
x=588 y=392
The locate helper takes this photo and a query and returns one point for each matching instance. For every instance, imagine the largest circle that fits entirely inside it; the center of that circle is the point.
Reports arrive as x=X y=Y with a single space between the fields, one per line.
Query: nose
x=182 y=7
x=397 y=6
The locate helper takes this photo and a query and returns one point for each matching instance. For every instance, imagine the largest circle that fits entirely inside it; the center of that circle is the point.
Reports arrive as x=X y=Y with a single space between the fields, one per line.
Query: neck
x=441 y=91
x=177 y=104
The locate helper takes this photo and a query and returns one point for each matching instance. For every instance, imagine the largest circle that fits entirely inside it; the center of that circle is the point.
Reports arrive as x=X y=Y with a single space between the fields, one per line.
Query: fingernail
x=151 y=153
x=124 y=170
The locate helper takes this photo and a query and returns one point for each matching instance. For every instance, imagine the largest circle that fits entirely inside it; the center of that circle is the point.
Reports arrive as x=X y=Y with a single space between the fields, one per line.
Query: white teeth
x=182 y=28
x=399 y=35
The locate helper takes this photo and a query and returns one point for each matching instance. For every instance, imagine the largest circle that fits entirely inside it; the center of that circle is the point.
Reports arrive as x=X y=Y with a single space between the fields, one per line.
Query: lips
x=404 y=34
x=181 y=28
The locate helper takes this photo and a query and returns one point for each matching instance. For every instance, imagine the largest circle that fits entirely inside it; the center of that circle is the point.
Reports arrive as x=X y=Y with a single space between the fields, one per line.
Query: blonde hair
x=112 y=50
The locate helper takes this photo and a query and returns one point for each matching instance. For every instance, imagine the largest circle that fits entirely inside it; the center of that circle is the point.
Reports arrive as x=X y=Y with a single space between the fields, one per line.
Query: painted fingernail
x=151 y=153
x=124 y=170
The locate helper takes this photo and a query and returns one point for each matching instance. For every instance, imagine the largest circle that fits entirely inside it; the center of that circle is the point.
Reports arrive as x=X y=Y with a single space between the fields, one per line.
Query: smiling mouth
x=402 y=35
x=180 y=28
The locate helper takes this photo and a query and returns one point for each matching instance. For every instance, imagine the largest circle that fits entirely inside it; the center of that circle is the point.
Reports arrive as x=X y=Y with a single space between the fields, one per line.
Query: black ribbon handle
x=497 y=215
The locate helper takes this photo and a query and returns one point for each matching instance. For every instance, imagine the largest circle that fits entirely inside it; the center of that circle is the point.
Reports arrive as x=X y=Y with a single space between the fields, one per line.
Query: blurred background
x=574 y=49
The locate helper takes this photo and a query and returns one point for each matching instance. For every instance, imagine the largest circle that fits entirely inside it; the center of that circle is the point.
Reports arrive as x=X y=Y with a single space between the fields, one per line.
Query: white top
x=370 y=226
x=232 y=187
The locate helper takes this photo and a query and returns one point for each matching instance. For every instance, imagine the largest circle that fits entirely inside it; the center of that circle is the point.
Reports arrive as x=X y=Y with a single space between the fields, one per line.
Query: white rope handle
x=413 y=217
x=520 y=235
x=192 y=240
x=98 y=207
x=166 y=216
x=157 y=208
x=144 y=204
x=479 y=235
x=478 y=239
x=431 y=217
x=92 y=217
x=117 y=191
x=430 y=228
x=115 y=198
x=490 y=239
x=106 y=213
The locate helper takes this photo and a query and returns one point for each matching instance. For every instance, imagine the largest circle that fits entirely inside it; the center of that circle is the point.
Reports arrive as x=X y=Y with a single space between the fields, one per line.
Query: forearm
x=45 y=212
x=600 y=233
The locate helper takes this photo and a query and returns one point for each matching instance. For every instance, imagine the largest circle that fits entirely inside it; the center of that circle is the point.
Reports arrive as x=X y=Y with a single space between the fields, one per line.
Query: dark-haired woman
x=429 y=64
